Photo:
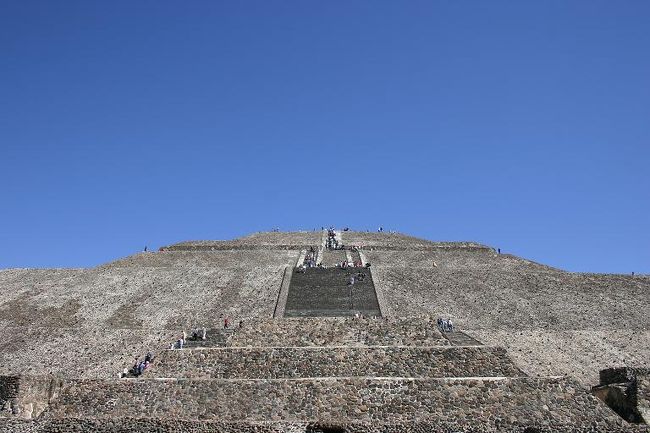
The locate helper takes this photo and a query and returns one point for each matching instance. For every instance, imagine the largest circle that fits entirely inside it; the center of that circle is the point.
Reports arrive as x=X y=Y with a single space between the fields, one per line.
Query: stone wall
x=292 y=362
x=223 y=258
x=579 y=353
x=294 y=240
x=8 y=393
x=454 y=258
x=17 y=425
x=626 y=391
x=557 y=403
x=619 y=375
x=139 y=425
x=26 y=396
x=388 y=241
x=338 y=332
x=643 y=396
x=517 y=300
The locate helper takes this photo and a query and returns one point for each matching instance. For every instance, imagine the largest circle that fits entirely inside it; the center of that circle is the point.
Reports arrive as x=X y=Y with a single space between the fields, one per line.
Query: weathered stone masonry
x=293 y=362
x=557 y=402
x=393 y=374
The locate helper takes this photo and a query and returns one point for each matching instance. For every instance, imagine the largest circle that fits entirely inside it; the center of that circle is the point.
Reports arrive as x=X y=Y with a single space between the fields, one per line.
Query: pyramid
x=304 y=335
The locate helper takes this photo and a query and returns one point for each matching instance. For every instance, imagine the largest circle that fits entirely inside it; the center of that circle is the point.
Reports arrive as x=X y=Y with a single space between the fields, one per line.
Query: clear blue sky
x=521 y=125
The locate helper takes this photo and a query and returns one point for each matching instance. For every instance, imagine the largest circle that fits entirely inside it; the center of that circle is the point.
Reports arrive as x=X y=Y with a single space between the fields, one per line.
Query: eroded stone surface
x=557 y=402
x=295 y=362
x=85 y=324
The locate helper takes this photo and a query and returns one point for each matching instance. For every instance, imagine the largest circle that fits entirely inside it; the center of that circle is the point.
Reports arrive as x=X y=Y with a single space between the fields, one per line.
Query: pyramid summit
x=323 y=331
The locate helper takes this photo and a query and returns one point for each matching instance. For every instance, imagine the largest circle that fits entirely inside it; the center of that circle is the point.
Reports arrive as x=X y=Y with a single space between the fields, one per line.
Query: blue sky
x=521 y=125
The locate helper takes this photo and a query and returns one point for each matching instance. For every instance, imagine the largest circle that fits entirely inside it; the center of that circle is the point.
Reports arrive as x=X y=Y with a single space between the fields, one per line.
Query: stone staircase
x=333 y=257
x=342 y=374
x=326 y=292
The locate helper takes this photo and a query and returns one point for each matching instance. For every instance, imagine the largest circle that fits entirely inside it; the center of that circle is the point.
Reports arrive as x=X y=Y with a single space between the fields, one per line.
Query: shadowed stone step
x=459 y=338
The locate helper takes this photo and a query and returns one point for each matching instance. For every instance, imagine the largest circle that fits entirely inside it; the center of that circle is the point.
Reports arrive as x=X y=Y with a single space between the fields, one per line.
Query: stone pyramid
x=323 y=336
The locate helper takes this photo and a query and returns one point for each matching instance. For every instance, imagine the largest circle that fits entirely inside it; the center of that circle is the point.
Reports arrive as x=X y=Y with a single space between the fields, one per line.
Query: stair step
x=476 y=403
x=297 y=362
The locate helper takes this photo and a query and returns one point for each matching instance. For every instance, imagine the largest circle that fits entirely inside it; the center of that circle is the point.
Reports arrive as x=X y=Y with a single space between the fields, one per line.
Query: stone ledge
x=294 y=362
x=139 y=425
x=467 y=402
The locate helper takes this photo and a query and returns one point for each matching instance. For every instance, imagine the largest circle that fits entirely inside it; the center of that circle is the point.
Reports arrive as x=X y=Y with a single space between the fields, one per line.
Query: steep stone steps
x=459 y=338
x=327 y=292
x=354 y=256
x=487 y=404
x=332 y=257
x=295 y=362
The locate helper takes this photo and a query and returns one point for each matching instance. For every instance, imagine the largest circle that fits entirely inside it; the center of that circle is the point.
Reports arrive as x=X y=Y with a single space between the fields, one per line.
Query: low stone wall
x=139 y=425
x=291 y=362
x=553 y=403
x=26 y=396
x=338 y=332
x=17 y=425
x=627 y=391
x=621 y=374
x=233 y=247
x=643 y=396
x=8 y=394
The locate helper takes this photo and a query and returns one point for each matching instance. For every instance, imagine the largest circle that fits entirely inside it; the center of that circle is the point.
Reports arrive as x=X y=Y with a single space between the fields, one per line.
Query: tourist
x=148 y=357
x=351 y=281
x=203 y=333
x=225 y=323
